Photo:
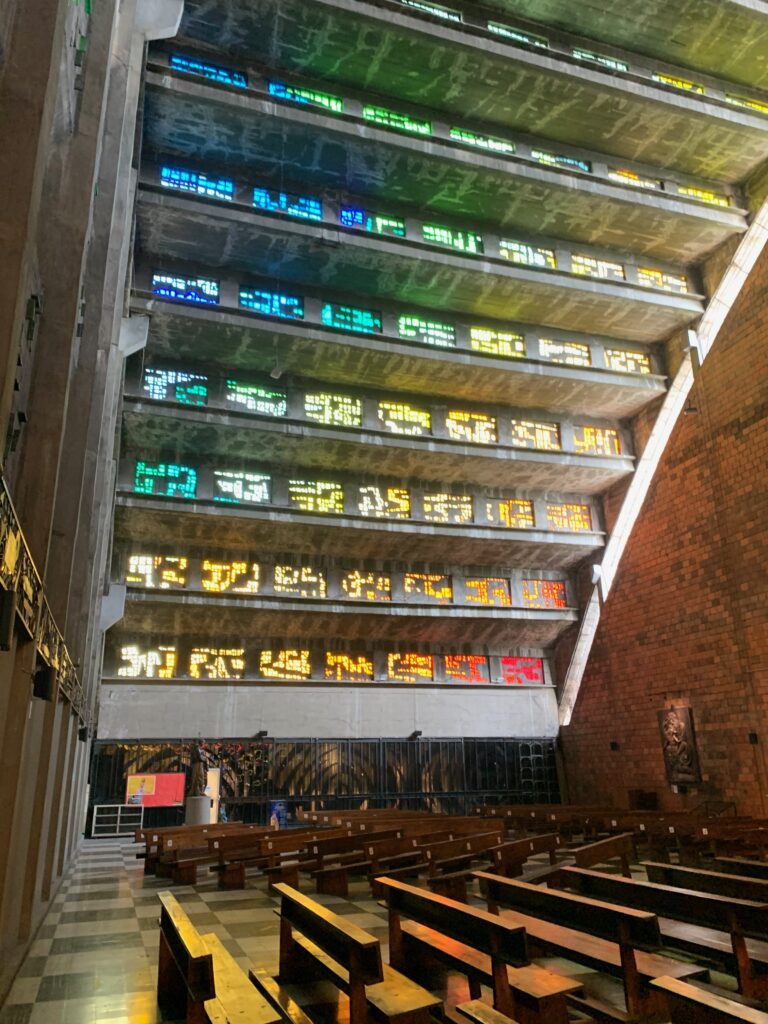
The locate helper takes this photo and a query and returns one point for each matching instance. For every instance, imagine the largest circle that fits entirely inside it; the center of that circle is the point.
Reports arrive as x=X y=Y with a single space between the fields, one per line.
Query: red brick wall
x=687 y=620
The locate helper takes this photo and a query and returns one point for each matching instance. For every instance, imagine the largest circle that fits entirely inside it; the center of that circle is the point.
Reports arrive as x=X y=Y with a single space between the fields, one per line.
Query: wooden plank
x=236 y=1000
x=689 y=1004
x=736 y=886
x=621 y=846
x=481 y=1013
x=745 y=866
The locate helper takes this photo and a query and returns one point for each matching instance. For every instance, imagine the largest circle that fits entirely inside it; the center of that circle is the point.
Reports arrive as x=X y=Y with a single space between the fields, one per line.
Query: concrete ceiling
x=234 y=341
x=176 y=615
x=281 y=145
x=175 y=524
x=386 y=51
x=725 y=38
x=240 y=440
x=211 y=237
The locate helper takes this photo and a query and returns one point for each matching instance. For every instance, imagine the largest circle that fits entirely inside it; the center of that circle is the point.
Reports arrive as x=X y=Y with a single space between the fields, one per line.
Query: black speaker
x=82 y=734
x=8 y=603
x=44 y=682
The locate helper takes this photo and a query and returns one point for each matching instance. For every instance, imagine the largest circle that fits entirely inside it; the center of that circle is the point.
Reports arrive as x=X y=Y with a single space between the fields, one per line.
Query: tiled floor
x=95 y=956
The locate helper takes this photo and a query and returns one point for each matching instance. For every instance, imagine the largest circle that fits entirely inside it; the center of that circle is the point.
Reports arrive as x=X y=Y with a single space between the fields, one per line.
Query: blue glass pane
x=167 y=479
x=200 y=290
x=272 y=303
x=350 y=318
x=215 y=73
x=197 y=183
x=306 y=207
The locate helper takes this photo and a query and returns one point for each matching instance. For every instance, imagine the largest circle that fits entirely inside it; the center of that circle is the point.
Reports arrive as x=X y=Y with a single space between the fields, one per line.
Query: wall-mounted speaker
x=44 y=682
x=8 y=604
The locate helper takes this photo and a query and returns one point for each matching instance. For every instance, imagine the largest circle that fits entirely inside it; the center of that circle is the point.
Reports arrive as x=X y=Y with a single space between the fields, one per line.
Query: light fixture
x=276 y=372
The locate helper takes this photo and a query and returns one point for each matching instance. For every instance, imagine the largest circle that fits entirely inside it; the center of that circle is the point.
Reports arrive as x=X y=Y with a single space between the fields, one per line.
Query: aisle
x=95 y=956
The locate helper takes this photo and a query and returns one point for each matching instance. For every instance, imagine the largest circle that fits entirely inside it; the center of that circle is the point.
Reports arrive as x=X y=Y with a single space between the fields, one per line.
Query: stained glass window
x=704 y=194
x=491 y=592
x=522 y=671
x=316 y=496
x=466 y=668
x=396 y=119
x=333 y=410
x=166 y=572
x=488 y=142
x=589 y=266
x=528 y=255
x=436 y=10
x=197 y=183
x=516 y=35
x=366 y=586
x=514 y=513
x=213 y=72
x=569 y=516
x=274 y=201
x=570 y=353
x=217 y=663
x=472 y=427
x=596 y=441
x=429 y=332
x=678 y=83
x=429 y=587
x=600 y=58
x=285 y=664
x=573 y=163
x=497 y=343
x=440 y=507
x=544 y=594
x=166 y=479
x=348 y=668
x=626 y=177
x=402 y=418
x=200 y=290
x=300 y=581
x=384 y=502
x=351 y=318
x=148 y=663
x=175 y=386
x=410 y=668
x=233 y=488
x=288 y=307
x=256 y=399
x=624 y=361
x=311 y=97
x=230 y=577
x=461 y=241
x=376 y=223
x=650 y=278
x=530 y=434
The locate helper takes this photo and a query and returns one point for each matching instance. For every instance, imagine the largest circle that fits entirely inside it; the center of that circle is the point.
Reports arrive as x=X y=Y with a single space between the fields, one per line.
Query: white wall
x=157 y=711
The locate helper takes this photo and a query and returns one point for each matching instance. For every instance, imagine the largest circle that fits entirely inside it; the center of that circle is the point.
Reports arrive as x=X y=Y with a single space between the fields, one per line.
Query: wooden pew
x=744 y=866
x=720 y=923
x=736 y=886
x=689 y=1004
x=621 y=846
x=481 y=1013
x=234 y=853
x=480 y=945
x=185 y=978
x=615 y=940
x=236 y=1000
x=509 y=858
x=315 y=941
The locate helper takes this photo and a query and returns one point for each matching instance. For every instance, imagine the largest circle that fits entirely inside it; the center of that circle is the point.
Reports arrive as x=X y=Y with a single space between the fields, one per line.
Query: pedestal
x=197 y=810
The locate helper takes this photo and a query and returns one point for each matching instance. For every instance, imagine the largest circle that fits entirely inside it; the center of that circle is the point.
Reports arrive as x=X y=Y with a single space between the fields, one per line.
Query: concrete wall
x=146 y=710
x=687 y=620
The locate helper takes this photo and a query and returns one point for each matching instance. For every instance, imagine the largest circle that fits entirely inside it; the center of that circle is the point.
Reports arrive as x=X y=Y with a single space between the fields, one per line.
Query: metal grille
x=441 y=775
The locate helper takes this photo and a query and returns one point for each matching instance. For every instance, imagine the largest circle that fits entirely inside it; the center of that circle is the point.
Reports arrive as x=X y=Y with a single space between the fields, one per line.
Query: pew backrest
x=735 y=886
x=192 y=961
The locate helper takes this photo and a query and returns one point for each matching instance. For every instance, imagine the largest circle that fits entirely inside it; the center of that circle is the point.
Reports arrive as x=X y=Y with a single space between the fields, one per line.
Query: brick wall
x=687 y=620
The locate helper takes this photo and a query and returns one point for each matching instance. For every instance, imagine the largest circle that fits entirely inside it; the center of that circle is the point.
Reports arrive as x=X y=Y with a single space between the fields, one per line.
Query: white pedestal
x=197 y=810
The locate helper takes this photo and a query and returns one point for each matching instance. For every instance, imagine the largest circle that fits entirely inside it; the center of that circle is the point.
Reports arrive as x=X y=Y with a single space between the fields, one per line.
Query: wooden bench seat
x=477 y=944
x=236 y=1000
x=618 y=941
x=736 y=886
x=478 y=1012
x=688 y=1004
x=704 y=924
x=314 y=940
x=185 y=978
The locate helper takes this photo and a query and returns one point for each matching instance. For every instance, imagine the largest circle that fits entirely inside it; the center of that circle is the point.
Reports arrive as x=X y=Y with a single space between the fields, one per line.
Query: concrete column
x=67 y=736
